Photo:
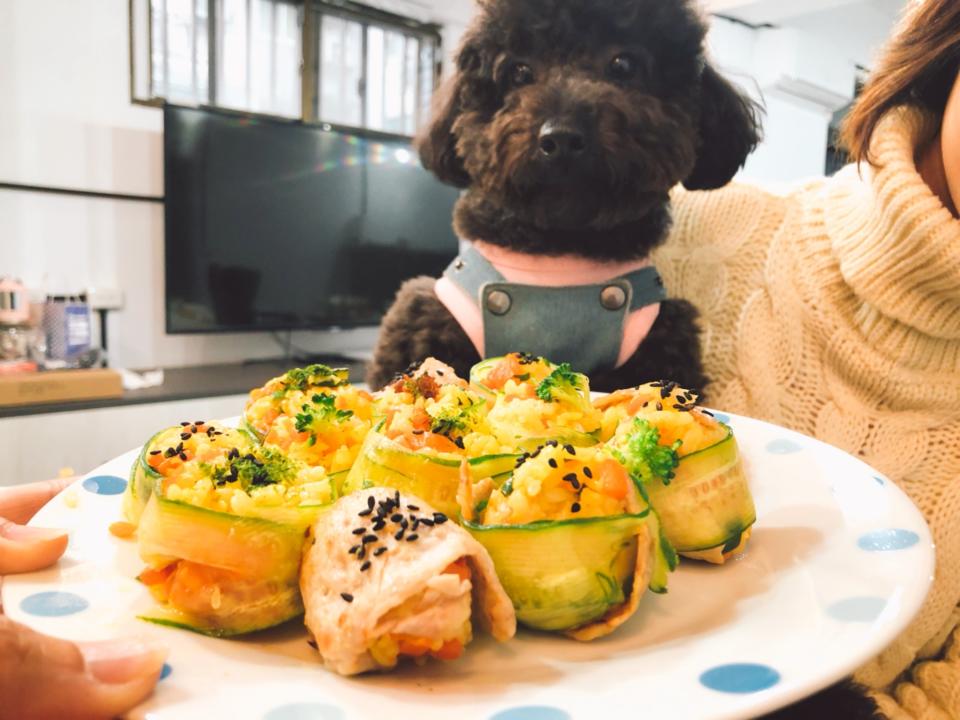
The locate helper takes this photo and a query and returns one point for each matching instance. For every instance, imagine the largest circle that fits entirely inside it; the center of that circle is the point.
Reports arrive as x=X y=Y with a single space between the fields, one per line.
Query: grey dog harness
x=581 y=324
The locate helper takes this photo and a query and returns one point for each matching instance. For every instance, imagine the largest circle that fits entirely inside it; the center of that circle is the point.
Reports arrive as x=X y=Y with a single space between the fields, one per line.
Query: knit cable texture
x=835 y=310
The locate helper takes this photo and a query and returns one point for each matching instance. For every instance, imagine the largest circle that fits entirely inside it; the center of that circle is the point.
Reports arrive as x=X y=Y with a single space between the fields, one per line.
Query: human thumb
x=45 y=677
x=25 y=548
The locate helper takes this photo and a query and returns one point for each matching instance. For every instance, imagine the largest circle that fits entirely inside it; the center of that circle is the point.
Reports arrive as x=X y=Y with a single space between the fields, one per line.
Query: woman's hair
x=918 y=67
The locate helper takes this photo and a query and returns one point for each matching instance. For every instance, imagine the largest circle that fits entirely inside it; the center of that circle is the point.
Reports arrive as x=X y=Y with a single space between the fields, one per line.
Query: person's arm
x=44 y=677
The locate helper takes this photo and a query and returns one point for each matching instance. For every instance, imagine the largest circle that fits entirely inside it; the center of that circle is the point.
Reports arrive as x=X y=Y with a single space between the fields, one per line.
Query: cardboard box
x=59 y=386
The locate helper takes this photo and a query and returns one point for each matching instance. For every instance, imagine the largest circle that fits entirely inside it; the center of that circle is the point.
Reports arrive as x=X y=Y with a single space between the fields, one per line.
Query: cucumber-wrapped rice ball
x=431 y=423
x=313 y=414
x=574 y=543
x=222 y=536
x=535 y=400
x=688 y=464
x=166 y=453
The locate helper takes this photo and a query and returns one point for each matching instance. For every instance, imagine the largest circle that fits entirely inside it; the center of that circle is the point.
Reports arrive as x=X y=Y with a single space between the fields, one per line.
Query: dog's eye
x=623 y=67
x=521 y=74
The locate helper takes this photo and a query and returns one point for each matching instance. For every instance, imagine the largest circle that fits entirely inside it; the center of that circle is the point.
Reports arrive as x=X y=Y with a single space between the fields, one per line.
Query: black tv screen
x=272 y=225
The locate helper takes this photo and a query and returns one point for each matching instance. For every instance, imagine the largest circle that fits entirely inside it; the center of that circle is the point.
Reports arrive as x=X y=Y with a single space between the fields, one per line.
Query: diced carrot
x=440 y=443
x=155 y=576
x=459 y=568
x=122 y=529
x=413 y=646
x=636 y=404
x=155 y=461
x=420 y=419
x=613 y=479
x=451 y=650
x=506 y=369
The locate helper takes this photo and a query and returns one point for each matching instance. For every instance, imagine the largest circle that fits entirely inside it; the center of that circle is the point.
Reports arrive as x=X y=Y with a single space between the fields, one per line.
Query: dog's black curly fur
x=630 y=75
x=632 y=78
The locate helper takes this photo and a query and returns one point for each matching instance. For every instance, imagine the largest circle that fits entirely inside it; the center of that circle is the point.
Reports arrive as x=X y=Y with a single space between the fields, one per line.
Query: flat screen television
x=274 y=225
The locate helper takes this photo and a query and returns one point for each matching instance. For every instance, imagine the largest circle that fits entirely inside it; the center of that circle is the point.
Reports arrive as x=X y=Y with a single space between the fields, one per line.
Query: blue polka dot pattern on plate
x=105 y=485
x=783 y=446
x=53 y=604
x=879 y=480
x=740 y=678
x=889 y=539
x=857 y=609
x=305 y=711
x=532 y=712
x=165 y=672
x=722 y=417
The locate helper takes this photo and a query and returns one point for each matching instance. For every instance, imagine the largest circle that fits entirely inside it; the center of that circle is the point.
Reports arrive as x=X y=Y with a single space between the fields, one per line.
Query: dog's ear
x=437 y=143
x=729 y=131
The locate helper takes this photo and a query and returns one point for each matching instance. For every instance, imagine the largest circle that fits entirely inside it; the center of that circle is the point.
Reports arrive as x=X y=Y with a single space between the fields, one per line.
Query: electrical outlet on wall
x=105 y=298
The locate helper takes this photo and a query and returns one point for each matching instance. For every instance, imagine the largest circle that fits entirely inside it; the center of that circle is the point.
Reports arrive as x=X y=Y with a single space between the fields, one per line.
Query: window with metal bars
x=343 y=64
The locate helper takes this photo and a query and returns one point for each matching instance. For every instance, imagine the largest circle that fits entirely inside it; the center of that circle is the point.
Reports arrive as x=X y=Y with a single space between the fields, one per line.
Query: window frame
x=311 y=16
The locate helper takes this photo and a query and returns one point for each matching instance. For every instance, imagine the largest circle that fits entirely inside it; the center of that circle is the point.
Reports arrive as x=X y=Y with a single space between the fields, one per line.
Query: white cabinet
x=36 y=447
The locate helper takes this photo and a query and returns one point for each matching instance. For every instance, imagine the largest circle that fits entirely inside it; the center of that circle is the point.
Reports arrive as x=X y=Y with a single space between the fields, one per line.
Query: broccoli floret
x=563 y=385
x=644 y=457
x=457 y=420
x=266 y=467
x=315 y=376
x=319 y=415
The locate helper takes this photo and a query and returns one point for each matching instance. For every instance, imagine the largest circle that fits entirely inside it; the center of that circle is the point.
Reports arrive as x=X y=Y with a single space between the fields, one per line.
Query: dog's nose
x=559 y=141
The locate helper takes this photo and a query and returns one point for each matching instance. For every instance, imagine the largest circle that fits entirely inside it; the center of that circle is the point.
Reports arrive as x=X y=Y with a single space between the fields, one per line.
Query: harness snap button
x=499 y=302
x=613 y=297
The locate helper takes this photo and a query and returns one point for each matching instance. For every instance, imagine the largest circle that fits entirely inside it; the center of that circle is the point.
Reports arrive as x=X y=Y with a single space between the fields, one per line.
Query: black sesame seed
x=552 y=443
x=183 y=456
x=707 y=412
x=588 y=472
x=404 y=523
x=365 y=566
x=156 y=452
x=347 y=596
x=426 y=521
x=439 y=518
x=379 y=551
x=552 y=462
x=396 y=517
x=362 y=554
x=364 y=513
x=371 y=501
x=570 y=477
x=575 y=508
x=359 y=531
x=569 y=449
x=399 y=535
x=199 y=422
x=416 y=524
x=413 y=537
x=459 y=443
x=659 y=405
x=369 y=539
x=193 y=428
x=185 y=424
x=412 y=507
x=185 y=436
x=354 y=549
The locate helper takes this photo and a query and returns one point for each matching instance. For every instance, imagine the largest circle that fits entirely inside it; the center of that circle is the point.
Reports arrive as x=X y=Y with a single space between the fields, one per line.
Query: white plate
x=839 y=563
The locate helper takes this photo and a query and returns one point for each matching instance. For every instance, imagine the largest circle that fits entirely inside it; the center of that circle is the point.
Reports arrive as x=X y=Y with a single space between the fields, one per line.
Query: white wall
x=802 y=71
x=66 y=121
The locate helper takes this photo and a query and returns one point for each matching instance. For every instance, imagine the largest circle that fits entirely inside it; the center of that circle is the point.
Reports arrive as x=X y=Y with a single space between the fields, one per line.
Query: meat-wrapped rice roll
x=385 y=576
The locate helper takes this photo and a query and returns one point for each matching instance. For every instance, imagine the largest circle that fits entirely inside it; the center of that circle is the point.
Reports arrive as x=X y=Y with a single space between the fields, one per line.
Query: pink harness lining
x=561 y=271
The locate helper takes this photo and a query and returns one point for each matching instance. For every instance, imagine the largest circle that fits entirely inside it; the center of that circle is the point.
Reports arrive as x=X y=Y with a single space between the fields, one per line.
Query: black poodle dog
x=566 y=124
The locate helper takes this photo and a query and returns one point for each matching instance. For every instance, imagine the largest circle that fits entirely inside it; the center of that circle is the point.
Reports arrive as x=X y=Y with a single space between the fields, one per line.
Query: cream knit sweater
x=835 y=310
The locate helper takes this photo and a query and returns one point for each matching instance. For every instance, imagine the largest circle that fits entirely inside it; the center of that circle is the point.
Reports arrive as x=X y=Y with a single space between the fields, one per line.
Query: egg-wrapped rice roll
x=385 y=576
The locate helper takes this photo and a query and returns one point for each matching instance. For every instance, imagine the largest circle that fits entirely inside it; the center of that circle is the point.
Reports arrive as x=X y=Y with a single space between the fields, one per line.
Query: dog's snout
x=560 y=140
